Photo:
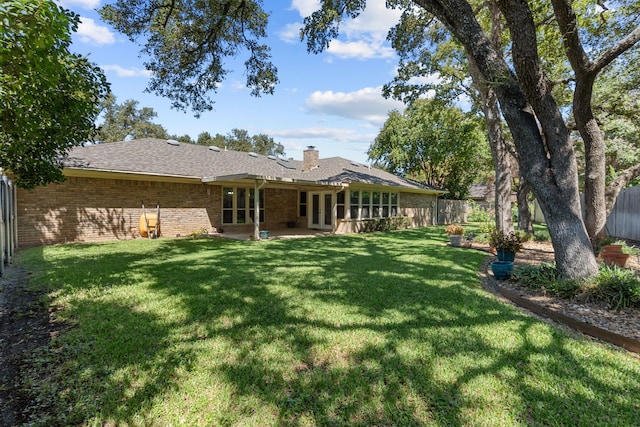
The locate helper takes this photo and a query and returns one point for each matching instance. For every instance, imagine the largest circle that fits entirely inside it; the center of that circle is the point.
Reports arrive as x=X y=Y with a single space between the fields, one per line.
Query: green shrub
x=523 y=236
x=385 y=224
x=477 y=213
x=616 y=286
x=544 y=277
x=541 y=236
x=487 y=227
x=535 y=276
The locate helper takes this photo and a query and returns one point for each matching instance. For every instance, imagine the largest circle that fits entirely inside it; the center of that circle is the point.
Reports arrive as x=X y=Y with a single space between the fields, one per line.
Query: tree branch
x=618 y=49
x=568 y=24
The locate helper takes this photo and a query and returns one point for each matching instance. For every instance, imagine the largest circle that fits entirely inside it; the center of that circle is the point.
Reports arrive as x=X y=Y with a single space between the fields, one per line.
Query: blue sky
x=332 y=101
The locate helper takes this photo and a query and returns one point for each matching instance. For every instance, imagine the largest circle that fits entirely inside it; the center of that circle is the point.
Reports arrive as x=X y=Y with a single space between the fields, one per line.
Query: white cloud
x=312 y=133
x=365 y=104
x=126 y=72
x=342 y=142
x=360 y=49
x=237 y=85
x=426 y=80
x=363 y=37
x=83 y=4
x=292 y=138
x=305 y=7
x=376 y=20
x=90 y=32
x=290 y=33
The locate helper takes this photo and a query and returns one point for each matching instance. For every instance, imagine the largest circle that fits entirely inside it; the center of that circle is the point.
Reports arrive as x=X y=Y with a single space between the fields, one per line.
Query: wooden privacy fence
x=623 y=221
x=8 y=225
x=450 y=211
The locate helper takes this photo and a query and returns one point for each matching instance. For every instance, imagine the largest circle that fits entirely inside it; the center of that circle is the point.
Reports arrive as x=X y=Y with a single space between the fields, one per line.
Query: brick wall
x=281 y=207
x=91 y=209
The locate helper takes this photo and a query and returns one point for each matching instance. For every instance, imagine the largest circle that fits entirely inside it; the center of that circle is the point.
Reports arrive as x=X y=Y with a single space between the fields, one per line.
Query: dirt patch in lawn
x=25 y=324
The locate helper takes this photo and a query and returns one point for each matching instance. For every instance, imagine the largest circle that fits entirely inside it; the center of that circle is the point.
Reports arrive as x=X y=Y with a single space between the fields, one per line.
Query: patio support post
x=256 y=214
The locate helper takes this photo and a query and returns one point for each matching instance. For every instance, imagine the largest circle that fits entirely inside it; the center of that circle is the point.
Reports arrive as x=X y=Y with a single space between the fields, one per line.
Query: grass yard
x=389 y=329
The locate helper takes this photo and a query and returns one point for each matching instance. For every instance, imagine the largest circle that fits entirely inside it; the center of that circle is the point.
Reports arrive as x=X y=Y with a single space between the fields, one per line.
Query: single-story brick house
x=209 y=189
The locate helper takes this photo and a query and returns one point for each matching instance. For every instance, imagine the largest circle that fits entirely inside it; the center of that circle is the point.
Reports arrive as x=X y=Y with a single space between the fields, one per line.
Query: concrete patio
x=281 y=233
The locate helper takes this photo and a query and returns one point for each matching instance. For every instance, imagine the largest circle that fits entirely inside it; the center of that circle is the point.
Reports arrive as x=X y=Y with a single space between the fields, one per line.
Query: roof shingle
x=157 y=157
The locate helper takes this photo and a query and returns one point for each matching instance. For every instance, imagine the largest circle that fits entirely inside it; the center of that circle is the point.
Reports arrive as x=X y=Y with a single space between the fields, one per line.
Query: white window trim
x=247 y=208
x=348 y=204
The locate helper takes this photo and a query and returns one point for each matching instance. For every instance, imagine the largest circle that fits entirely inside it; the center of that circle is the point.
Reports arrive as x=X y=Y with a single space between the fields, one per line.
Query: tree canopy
x=125 y=121
x=433 y=143
x=189 y=41
x=240 y=140
x=49 y=97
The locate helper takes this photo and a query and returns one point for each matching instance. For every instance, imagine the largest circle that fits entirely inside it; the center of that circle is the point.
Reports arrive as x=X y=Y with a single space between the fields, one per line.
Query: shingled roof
x=159 y=157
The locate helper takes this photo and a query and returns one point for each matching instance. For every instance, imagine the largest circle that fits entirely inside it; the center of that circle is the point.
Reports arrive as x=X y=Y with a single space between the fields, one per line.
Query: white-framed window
x=238 y=205
x=365 y=204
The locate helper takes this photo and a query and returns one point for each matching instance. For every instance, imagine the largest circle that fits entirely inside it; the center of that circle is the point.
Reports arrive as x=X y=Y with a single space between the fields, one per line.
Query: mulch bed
x=595 y=319
x=25 y=324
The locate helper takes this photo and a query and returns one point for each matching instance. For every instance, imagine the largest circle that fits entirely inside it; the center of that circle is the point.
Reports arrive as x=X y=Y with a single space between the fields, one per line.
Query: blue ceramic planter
x=504 y=255
x=502 y=269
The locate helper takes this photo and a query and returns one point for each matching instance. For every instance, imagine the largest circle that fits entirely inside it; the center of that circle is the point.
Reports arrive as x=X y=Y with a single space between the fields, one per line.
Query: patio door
x=321 y=210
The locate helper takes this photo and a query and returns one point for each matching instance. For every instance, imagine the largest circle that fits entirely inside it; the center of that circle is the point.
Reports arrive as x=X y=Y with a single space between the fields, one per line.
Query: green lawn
x=378 y=329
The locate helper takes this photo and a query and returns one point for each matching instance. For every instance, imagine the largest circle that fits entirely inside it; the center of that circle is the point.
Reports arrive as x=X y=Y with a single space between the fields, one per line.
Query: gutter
x=209 y=179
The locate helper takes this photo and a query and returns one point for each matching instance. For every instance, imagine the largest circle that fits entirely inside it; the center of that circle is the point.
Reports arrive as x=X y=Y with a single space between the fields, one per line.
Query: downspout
x=256 y=214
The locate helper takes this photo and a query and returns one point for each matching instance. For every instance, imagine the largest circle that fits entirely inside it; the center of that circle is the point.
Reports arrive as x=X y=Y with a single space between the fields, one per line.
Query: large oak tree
x=189 y=40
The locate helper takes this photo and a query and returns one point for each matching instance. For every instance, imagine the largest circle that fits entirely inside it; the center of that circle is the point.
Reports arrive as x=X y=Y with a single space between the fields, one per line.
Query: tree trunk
x=497 y=142
x=595 y=163
x=586 y=70
x=499 y=152
x=524 y=213
x=547 y=162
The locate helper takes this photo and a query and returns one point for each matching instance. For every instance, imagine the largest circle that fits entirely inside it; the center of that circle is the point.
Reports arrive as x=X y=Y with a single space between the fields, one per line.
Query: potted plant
x=506 y=244
x=615 y=252
x=455 y=232
x=502 y=269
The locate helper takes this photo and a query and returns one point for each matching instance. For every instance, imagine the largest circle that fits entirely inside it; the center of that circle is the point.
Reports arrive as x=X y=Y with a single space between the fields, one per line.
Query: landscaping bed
x=625 y=322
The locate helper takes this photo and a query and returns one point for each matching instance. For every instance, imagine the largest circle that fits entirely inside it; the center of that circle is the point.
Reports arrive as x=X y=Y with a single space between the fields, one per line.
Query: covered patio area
x=275 y=234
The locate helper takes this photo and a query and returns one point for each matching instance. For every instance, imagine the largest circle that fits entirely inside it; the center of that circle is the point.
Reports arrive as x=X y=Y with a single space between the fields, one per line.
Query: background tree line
x=121 y=122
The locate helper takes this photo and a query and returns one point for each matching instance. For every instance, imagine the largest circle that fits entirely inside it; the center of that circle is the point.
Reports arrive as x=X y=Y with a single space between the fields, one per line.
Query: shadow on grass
x=380 y=329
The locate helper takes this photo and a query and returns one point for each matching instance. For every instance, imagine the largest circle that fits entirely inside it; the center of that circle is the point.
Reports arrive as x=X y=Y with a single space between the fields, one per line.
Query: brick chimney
x=311 y=159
